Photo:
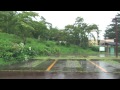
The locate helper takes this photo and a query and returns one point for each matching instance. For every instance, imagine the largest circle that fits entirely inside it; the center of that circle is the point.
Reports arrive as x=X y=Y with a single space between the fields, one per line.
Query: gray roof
x=111 y=43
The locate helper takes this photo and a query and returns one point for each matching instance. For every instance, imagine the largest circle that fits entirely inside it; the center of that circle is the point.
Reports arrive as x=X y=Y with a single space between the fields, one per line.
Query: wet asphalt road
x=58 y=75
x=64 y=69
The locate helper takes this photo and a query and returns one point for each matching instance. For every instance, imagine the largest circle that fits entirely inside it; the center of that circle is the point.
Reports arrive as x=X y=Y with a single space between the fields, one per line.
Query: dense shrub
x=50 y=44
x=94 y=48
x=14 y=51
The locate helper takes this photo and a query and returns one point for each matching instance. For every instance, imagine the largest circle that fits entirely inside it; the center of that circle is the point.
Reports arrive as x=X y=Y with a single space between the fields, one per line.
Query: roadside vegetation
x=12 y=52
x=25 y=35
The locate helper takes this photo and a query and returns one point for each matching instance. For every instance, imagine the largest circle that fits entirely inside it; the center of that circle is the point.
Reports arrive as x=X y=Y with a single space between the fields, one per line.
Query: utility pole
x=116 y=31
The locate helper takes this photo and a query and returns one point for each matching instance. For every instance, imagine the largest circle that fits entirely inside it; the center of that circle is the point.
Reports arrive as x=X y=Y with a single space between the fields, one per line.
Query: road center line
x=102 y=69
x=49 y=68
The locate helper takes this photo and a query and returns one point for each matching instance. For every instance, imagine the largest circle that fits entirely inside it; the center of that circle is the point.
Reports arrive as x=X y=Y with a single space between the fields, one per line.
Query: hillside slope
x=11 y=49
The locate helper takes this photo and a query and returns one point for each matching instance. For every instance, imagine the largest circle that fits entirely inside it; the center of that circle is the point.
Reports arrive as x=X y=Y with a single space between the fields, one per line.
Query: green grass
x=75 y=50
x=3 y=63
x=9 y=38
x=44 y=46
x=43 y=49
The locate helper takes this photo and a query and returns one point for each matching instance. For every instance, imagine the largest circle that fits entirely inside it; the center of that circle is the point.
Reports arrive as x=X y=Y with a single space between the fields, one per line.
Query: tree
x=92 y=28
x=110 y=31
x=69 y=34
x=79 y=32
x=40 y=29
x=54 y=34
x=7 y=20
x=22 y=25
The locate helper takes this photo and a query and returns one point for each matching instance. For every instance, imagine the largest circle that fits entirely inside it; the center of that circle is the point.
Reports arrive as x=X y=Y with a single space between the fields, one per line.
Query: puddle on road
x=108 y=76
x=84 y=66
x=63 y=65
x=74 y=66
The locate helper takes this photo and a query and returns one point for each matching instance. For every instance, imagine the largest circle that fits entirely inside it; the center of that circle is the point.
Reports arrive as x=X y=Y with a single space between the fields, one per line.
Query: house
x=108 y=42
x=109 y=45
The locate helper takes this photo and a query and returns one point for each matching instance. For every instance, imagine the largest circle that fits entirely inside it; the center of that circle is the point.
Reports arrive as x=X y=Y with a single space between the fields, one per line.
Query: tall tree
x=79 y=32
x=110 y=30
x=22 y=25
x=7 y=20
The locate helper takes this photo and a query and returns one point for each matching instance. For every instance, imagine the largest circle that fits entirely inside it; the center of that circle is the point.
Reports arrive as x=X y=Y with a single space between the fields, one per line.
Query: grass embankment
x=10 y=51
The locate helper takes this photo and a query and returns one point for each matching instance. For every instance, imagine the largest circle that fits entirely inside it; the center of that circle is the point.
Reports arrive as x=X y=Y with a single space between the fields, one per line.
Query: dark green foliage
x=94 y=48
x=10 y=48
x=79 y=32
x=24 y=25
x=50 y=44
x=21 y=26
x=110 y=31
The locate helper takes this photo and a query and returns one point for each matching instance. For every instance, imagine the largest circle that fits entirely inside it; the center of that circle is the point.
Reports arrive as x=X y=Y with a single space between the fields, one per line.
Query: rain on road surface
x=63 y=69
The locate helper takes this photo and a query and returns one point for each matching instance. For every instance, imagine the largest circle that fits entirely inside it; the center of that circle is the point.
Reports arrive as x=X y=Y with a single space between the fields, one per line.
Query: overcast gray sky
x=62 y=18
